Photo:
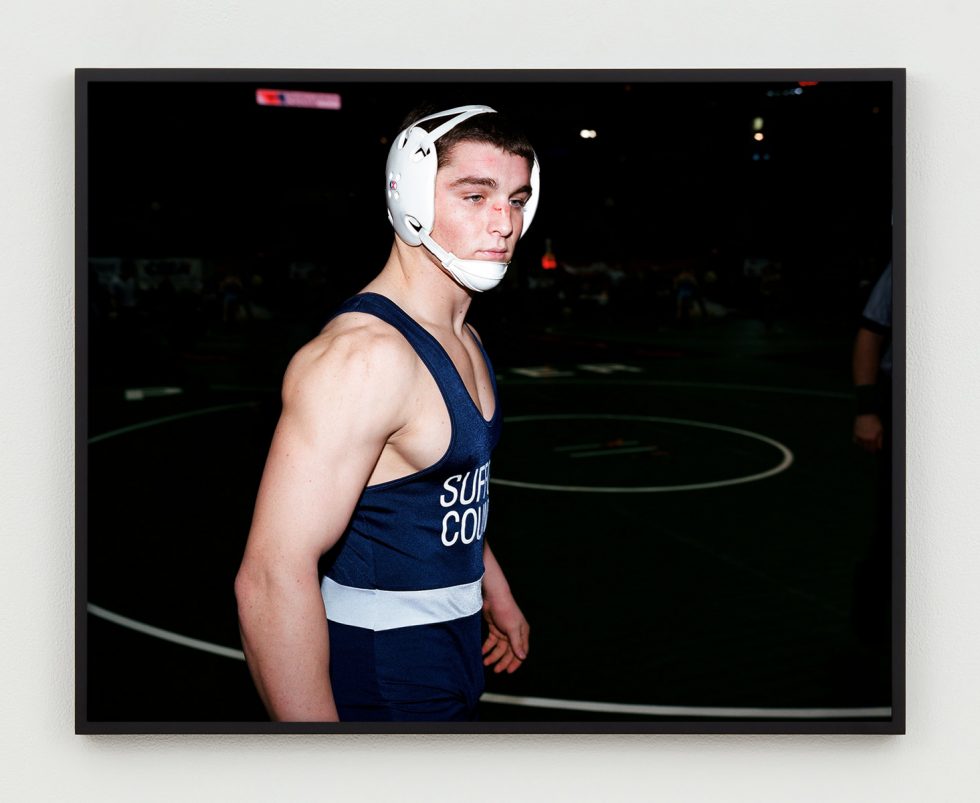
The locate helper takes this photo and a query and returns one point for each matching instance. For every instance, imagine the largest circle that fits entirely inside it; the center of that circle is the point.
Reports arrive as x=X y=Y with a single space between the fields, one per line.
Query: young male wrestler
x=366 y=569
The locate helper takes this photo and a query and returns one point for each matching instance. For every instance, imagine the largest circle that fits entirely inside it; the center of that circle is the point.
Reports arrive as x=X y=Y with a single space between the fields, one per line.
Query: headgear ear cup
x=532 y=203
x=411 y=192
x=411 y=177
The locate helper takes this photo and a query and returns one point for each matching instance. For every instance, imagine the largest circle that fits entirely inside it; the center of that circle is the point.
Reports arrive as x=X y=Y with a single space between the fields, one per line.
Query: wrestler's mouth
x=496 y=255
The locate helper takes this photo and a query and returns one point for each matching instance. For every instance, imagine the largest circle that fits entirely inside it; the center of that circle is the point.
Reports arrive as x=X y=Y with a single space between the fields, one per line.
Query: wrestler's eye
x=519 y=203
x=473 y=198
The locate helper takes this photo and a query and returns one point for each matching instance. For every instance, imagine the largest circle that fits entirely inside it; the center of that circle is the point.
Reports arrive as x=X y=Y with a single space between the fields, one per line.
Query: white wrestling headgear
x=411 y=190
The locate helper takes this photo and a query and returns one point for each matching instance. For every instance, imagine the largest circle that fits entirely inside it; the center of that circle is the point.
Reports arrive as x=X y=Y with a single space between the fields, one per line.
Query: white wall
x=41 y=42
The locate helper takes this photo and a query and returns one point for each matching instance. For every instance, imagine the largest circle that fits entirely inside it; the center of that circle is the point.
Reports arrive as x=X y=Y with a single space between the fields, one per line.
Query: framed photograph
x=697 y=353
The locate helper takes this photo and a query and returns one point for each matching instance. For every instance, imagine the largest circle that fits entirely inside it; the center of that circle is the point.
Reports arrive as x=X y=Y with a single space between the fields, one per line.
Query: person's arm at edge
x=507 y=645
x=318 y=465
x=868 y=430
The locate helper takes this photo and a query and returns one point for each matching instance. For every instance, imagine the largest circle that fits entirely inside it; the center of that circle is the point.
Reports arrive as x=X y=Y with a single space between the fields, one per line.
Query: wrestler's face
x=480 y=196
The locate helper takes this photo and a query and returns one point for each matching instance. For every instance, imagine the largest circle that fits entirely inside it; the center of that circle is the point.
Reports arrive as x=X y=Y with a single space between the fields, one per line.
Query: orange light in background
x=808 y=83
x=549 y=261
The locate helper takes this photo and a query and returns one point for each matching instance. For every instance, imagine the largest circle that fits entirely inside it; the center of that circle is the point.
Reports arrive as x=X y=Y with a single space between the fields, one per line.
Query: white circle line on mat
x=785 y=462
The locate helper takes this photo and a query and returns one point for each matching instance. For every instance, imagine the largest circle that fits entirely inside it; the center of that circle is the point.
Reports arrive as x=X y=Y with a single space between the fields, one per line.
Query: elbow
x=259 y=585
x=264 y=588
x=248 y=590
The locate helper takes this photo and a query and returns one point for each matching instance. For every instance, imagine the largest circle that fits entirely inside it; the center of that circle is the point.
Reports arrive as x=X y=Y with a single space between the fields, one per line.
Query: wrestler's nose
x=502 y=218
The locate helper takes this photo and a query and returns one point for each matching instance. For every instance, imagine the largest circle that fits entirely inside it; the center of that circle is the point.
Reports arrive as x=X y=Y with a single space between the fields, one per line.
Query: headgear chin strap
x=411 y=197
x=475 y=274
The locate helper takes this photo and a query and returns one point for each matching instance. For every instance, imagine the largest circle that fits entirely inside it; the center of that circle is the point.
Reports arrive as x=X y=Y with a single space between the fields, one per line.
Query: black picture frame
x=184 y=180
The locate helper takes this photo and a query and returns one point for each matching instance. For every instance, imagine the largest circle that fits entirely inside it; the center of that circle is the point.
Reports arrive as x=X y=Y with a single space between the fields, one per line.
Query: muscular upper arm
x=339 y=410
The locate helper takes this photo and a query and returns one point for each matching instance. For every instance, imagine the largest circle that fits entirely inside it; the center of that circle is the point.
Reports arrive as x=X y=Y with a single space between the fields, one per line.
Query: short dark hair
x=494 y=129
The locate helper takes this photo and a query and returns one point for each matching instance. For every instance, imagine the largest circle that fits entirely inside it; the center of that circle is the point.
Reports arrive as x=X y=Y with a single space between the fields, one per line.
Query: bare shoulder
x=337 y=416
x=357 y=358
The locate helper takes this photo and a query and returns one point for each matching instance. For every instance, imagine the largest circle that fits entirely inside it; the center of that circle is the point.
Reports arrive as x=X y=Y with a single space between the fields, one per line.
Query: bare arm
x=507 y=644
x=867 y=356
x=338 y=413
x=868 y=430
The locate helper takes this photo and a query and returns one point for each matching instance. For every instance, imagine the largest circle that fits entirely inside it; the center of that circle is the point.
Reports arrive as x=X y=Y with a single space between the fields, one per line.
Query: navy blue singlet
x=402 y=587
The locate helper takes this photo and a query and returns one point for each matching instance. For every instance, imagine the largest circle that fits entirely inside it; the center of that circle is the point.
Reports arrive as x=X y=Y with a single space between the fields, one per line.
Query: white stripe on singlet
x=377 y=609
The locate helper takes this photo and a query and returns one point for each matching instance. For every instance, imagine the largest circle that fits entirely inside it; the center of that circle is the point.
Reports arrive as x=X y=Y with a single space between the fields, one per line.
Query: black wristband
x=866 y=400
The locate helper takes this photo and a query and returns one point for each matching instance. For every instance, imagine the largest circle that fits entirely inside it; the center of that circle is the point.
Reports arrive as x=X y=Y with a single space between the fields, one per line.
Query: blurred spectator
x=872 y=369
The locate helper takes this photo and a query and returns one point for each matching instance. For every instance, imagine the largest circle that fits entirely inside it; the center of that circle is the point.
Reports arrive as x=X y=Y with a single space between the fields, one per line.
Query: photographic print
x=684 y=336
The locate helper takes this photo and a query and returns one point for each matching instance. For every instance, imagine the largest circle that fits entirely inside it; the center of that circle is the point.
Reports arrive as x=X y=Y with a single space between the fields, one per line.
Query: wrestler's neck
x=415 y=281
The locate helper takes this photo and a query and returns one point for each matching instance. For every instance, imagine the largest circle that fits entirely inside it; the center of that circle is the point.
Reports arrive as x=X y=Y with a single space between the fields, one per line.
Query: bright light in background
x=757 y=124
x=301 y=100
x=782 y=93
x=758 y=137
x=587 y=133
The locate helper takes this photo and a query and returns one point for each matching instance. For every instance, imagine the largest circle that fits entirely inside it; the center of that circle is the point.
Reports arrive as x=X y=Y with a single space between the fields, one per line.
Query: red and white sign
x=301 y=100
